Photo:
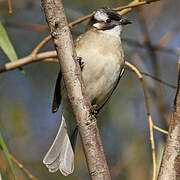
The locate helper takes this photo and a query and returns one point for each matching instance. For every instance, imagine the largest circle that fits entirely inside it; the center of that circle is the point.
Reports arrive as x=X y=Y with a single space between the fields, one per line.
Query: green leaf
x=6 y=46
x=6 y=152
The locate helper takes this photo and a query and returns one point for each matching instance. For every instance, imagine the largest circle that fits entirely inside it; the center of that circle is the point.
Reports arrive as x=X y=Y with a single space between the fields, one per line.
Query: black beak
x=124 y=22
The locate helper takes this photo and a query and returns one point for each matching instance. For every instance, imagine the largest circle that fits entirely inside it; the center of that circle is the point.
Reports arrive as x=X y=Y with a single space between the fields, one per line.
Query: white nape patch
x=116 y=31
x=101 y=16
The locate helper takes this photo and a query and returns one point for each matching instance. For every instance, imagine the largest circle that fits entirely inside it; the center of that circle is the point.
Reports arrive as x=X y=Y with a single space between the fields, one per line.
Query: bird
x=101 y=57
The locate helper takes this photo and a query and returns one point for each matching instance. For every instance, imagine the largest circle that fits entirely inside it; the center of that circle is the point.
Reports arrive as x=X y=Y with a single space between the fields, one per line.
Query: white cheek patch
x=97 y=25
x=100 y=16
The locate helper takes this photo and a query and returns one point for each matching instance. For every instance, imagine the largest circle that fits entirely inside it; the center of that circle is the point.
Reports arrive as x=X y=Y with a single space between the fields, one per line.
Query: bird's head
x=106 y=19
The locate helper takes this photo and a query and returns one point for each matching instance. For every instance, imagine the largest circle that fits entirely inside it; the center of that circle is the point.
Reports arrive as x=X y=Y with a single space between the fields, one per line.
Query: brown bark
x=60 y=32
x=170 y=166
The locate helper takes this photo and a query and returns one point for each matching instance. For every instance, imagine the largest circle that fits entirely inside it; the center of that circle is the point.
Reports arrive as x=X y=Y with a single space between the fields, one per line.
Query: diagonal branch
x=81 y=105
x=28 y=174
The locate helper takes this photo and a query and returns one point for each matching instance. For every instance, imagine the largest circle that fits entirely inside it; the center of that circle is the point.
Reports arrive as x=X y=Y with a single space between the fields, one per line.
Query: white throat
x=116 y=31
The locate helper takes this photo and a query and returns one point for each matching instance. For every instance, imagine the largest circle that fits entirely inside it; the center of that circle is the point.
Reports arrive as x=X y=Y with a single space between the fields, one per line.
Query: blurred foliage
x=6 y=45
x=17 y=117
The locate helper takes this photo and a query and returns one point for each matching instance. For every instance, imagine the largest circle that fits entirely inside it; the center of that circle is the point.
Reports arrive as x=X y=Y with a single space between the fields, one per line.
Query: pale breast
x=103 y=60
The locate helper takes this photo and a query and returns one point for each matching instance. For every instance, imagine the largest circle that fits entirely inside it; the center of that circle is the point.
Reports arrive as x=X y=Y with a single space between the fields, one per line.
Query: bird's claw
x=81 y=63
x=94 y=110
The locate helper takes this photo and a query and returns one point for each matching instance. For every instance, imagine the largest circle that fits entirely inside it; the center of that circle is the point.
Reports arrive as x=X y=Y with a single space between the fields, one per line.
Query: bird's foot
x=81 y=63
x=94 y=110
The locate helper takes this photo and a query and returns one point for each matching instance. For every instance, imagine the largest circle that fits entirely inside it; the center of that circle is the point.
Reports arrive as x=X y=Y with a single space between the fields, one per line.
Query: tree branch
x=170 y=166
x=27 y=60
x=81 y=106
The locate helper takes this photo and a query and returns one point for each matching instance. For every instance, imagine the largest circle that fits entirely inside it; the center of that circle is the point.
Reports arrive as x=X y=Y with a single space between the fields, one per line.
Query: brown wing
x=57 y=94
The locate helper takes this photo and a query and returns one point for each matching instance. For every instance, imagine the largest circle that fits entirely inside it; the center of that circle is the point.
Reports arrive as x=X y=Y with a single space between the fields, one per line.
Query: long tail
x=60 y=155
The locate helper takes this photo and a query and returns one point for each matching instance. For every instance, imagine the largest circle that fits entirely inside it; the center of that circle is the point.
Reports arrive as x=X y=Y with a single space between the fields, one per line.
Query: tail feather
x=66 y=158
x=60 y=155
x=56 y=147
x=53 y=167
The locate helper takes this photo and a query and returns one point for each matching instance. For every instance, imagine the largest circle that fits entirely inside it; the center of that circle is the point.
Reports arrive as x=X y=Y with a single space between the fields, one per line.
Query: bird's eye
x=108 y=20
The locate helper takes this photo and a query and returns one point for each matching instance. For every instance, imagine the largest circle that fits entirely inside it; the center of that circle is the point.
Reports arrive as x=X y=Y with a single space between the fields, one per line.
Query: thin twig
x=28 y=174
x=149 y=117
x=51 y=60
x=81 y=20
x=133 y=4
x=159 y=80
x=10 y=6
x=160 y=130
x=40 y=45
